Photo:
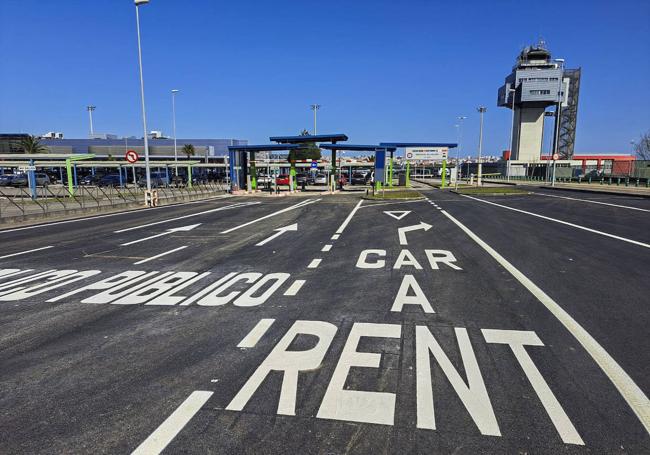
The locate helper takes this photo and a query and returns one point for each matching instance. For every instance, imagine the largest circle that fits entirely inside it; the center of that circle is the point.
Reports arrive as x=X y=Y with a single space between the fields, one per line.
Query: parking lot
x=331 y=324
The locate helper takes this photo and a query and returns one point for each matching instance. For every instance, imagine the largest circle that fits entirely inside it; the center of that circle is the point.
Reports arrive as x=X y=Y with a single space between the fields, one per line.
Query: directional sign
x=280 y=231
x=429 y=154
x=169 y=231
x=27 y=168
x=398 y=214
x=314 y=164
x=131 y=156
x=403 y=230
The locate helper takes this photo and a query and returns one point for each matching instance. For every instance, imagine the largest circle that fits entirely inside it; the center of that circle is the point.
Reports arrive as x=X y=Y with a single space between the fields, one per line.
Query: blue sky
x=382 y=70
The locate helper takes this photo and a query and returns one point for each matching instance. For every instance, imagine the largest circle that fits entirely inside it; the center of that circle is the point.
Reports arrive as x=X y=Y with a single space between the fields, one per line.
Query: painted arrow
x=167 y=232
x=280 y=231
x=416 y=227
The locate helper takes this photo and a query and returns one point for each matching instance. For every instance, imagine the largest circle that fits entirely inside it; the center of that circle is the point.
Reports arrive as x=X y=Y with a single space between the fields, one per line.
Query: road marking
x=631 y=392
x=256 y=333
x=167 y=232
x=326 y=248
x=218 y=209
x=592 y=202
x=160 y=255
x=397 y=214
x=294 y=288
x=168 y=430
x=347 y=220
x=314 y=263
x=25 y=252
x=335 y=237
x=280 y=231
x=293 y=207
x=401 y=232
x=577 y=226
x=127 y=212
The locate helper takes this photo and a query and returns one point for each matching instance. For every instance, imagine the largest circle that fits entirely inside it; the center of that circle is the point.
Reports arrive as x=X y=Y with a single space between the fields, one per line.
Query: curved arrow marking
x=416 y=227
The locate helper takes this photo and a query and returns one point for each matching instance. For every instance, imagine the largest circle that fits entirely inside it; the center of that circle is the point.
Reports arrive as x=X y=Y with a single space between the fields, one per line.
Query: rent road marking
x=314 y=263
x=218 y=209
x=167 y=232
x=25 y=252
x=577 y=226
x=593 y=202
x=293 y=207
x=633 y=395
x=349 y=218
x=160 y=255
x=294 y=288
x=256 y=333
x=168 y=430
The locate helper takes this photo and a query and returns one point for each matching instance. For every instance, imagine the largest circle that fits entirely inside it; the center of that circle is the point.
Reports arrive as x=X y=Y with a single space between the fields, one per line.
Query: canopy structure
x=380 y=158
x=239 y=157
x=418 y=144
x=334 y=138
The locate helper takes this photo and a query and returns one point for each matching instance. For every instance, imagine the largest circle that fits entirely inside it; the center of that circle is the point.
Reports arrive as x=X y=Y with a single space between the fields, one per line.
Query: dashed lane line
x=326 y=248
x=349 y=218
x=284 y=210
x=314 y=263
x=632 y=393
x=592 y=202
x=295 y=287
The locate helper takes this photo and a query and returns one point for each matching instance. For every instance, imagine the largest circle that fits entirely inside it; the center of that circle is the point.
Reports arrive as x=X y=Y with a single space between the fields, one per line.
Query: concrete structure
x=535 y=83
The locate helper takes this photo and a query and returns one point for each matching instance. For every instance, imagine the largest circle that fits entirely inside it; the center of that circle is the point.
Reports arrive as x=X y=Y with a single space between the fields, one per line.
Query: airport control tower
x=537 y=82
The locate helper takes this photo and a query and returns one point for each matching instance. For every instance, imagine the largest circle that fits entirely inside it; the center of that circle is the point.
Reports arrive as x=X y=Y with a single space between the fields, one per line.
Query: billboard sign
x=426 y=154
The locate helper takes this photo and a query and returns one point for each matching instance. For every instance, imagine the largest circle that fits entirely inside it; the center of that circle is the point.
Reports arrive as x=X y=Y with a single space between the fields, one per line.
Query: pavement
x=330 y=325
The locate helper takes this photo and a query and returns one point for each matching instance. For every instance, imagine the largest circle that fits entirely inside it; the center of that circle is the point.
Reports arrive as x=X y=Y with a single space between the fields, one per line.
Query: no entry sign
x=131 y=156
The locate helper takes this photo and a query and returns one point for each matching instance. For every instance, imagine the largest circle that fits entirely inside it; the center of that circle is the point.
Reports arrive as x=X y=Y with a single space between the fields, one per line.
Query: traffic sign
x=131 y=156
x=556 y=157
x=314 y=164
x=430 y=154
x=27 y=168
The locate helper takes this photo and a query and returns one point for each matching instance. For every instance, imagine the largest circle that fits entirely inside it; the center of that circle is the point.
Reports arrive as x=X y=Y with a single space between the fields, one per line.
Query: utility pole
x=315 y=108
x=174 y=92
x=458 y=149
x=138 y=3
x=481 y=110
x=90 y=114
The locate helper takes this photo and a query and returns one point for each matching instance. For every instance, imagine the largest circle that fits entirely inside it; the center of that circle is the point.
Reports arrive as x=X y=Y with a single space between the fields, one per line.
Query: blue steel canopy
x=262 y=148
x=418 y=144
x=308 y=138
x=358 y=148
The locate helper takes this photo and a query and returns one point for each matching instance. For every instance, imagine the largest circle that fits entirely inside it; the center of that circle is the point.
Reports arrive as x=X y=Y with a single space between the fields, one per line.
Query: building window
x=539 y=92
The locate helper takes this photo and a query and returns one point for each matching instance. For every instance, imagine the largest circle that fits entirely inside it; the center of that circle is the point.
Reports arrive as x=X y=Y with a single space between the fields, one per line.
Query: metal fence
x=53 y=199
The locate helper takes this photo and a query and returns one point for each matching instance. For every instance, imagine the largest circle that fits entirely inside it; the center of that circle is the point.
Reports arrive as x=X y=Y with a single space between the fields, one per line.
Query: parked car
x=90 y=180
x=282 y=179
x=109 y=180
x=158 y=179
x=305 y=178
x=42 y=179
x=5 y=179
x=320 y=179
x=360 y=178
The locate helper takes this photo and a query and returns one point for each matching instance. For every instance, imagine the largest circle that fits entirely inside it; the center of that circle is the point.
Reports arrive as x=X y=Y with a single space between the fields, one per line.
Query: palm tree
x=32 y=144
x=188 y=149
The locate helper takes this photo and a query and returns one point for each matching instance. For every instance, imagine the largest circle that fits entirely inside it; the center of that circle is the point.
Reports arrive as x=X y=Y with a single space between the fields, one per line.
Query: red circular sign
x=131 y=156
x=556 y=156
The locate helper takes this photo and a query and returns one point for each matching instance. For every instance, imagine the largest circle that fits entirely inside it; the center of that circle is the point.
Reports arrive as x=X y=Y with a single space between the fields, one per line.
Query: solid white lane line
x=633 y=395
x=295 y=287
x=127 y=212
x=167 y=431
x=218 y=209
x=160 y=255
x=314 y=263
x=326 y=248
x=577 y=226
x=256 y=333
x=347 y=220
x=25 y=252
x=592 y=202
x=287 y=209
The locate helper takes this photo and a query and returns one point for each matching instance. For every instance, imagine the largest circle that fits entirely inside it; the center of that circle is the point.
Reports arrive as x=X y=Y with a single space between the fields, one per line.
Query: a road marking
x=26 y=252
x=293 y=207
x=294 y=288
x=168 y=430
x=577 y=226
x=326 y=248
x=397 y=214
x=401 y=232
x=336 y=236
x=314 y=263
x=160 y=255
x=592 y=202
x=280 y=231
x=256 y=333
x=633 y=395
x=347 y=220
x=126 y=212
x=167 y=232
x=218 y=209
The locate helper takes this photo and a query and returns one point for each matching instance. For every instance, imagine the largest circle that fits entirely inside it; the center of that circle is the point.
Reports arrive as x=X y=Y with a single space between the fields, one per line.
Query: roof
x=261 y=148
x=357 y=148
x=309 y=138
x=418 y=144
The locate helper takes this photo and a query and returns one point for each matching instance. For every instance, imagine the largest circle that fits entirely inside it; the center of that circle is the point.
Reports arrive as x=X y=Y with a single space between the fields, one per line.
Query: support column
x=390 y=170
x=31 y=177
x=253 y=173
x=408 y=174
x=333 y=169
x=292 y=176
x=189 y=176
x=444 y=174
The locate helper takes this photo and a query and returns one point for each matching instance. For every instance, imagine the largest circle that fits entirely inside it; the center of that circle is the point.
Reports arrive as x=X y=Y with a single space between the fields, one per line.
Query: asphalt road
x=512 y=324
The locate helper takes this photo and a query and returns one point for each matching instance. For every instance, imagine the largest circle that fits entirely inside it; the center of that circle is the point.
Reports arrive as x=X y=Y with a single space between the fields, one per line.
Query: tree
x=32 y=144
x=188 y=150
x=642 y=148
x=307 y=151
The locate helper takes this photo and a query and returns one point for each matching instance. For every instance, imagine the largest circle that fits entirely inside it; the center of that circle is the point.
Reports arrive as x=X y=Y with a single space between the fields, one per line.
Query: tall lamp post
x=512 y=132
x=481 y=110
x=315 y=107
x=174 y=92
x=90 y=114
x=460 y=141
x=139 y=3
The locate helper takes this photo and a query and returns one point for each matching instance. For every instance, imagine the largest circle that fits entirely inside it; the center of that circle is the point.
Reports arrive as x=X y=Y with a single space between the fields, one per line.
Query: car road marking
x=26 y=252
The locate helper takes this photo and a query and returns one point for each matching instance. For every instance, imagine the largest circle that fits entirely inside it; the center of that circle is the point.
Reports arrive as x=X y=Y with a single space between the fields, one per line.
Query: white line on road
x=25 y=252
x=294 y=288
x=160 y=255
x=167 y=232
x=256 y=333
x=592 y=202
x=168 y=430
x=326 y=248
x=280 y=231
x=218 y=209
x=631 y=392
x=577 y=226
x=314 y=263
x=336 y=236
x=347 y=220
x=292 y=207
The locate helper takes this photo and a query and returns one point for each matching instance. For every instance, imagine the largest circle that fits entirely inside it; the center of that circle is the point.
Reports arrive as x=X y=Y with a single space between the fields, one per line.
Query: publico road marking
x=577 y=226
x=633 y=395
x=592 y=202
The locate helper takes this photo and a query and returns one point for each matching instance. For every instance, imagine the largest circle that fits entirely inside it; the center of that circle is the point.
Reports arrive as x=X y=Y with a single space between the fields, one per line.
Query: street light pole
x=315 y=107
x=90 y=114
x=174 y=92
x=460 y=141
x=481 y=110
x=138 y=3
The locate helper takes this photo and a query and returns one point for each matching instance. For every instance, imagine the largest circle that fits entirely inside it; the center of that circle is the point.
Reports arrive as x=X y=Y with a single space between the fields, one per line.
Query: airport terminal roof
x=417 y=144
x=309 y=138
x=358 y=148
